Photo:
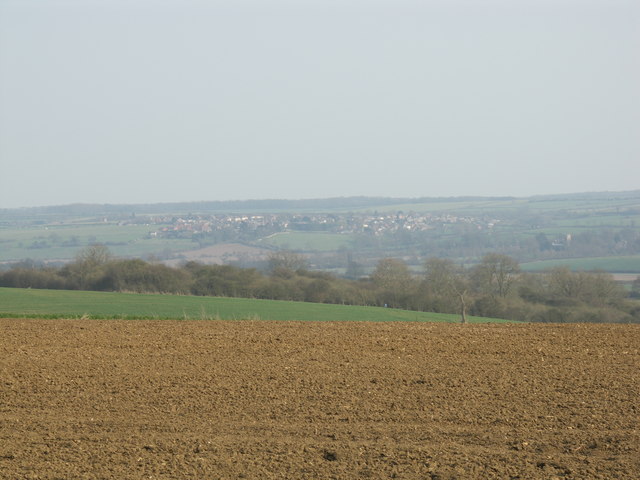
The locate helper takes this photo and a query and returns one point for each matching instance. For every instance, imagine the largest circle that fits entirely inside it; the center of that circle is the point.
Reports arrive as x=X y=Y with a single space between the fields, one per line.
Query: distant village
x=373 y=224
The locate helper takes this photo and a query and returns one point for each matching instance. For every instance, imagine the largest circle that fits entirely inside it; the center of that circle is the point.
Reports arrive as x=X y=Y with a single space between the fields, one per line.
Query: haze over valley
x=115 y=102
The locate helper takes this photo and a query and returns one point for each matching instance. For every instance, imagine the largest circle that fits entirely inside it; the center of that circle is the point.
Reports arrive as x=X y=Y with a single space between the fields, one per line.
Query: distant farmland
x=306 y=241
x=62 y=242
x=627 y=264
x=363 y=229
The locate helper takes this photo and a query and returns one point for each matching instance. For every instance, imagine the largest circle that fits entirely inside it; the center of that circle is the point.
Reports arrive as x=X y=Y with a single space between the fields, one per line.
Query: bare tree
x=286 y=261
x=87 y=265
x=392 y=277
x=495 y=274
x=445 y=279
x=94 y=255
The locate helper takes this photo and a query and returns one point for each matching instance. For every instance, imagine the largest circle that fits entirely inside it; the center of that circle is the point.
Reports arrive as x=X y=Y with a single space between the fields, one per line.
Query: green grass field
x=575 y=204
x=56 y=242
x=309 y=241
x=72 y=304
x=628 y=264
x=611 y=221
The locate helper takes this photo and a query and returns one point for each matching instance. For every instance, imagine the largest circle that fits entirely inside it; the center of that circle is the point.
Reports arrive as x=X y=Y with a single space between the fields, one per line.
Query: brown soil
x=205 y=399
x=223 y=253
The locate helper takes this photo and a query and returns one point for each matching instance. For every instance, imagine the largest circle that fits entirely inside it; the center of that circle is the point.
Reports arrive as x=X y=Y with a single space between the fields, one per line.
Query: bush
x=33 y=278
x=139 y=276
x=487 y=306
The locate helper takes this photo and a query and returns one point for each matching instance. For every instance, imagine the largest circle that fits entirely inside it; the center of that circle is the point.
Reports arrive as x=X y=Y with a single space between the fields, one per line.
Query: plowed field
x=210 y=399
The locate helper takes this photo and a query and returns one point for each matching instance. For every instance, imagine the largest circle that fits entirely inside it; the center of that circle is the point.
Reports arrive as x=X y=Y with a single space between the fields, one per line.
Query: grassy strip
x=625 y=264
x=26 y=303
x=309 y=241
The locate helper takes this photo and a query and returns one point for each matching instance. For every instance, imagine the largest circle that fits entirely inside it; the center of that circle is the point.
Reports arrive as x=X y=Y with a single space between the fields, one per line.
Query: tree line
x=495 y=287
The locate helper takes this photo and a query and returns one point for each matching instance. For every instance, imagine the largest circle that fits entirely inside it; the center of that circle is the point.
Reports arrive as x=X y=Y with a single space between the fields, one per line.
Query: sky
x=147 y=101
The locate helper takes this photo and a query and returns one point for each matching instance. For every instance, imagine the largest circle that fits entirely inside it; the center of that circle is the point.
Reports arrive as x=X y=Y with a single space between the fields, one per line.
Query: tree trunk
x=463 y=307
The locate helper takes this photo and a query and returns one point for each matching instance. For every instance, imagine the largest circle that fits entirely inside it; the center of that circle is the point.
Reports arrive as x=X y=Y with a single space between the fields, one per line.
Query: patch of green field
x=107 y=232
x=309 y=241
x=614 y=221
x=141 y=248
x=585 y=204
x=65 y=304
x=626 y=264
x=532 y=205
x=460 y=206
x=62 y=242
x=557 y=231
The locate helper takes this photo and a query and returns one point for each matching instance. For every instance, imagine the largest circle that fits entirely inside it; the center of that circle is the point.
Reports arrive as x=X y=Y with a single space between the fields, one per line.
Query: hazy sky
x=145 y=101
